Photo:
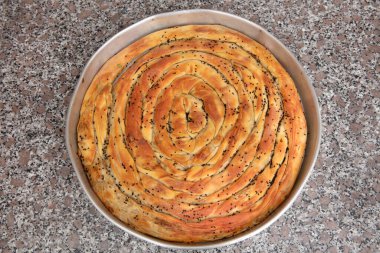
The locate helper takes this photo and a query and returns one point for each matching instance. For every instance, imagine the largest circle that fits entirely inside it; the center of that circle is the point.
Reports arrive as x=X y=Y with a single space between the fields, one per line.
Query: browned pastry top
x=192 y=133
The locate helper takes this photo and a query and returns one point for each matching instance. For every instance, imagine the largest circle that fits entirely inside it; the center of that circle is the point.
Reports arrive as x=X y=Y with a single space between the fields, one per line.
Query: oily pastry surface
x=192 y=133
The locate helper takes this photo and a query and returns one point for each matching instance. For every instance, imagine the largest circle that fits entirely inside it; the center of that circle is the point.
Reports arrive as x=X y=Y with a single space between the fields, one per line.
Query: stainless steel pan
x=161 y=21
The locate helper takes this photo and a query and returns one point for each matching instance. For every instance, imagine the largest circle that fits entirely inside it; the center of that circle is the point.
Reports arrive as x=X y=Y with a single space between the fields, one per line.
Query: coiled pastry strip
x=192 y=133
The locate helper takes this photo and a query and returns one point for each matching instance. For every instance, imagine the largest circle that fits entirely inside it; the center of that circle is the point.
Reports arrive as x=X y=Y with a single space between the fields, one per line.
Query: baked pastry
x=192 y=133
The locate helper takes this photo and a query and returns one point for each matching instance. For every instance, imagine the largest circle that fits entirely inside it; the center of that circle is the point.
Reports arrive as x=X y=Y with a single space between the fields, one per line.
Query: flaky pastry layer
x=192 y=133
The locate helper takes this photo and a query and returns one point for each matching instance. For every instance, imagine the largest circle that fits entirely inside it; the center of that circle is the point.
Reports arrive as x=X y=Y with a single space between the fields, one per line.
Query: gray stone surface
x=44 y=46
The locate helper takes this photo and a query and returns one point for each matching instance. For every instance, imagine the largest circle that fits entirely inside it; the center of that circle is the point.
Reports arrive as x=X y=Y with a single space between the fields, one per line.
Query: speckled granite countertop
x=43 y=48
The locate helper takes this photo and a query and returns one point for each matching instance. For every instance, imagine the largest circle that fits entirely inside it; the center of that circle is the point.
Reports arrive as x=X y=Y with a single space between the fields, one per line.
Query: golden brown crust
x=192 y=133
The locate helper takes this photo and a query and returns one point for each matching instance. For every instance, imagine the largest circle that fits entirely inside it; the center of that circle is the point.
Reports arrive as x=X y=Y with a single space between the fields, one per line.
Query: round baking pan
x=165 y=20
